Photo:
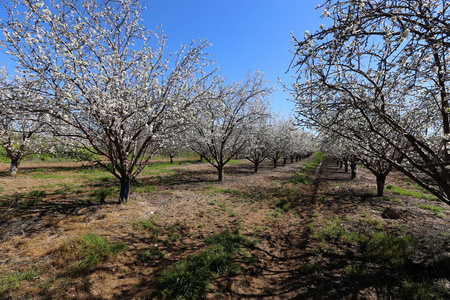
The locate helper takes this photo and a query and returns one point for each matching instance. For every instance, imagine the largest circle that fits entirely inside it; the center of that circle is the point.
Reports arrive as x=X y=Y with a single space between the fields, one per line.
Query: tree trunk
x=171 y=158
x=353 y=168
x=284 y=161
x=124 y=191
x=256 y=167
x=381 y=180
x=220 y=172
x=346 y=166
x=275 y=163
x=14 y=166
x=292 y=159
x=341 y=164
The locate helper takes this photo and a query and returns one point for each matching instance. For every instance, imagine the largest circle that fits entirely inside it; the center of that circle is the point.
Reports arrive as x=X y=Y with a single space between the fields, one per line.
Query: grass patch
x=12 y=280
x=105 y=192
x=86 y=252
x=151 y=254
x=301 y=177
x=144 y=189
x=419 y=291
x=405 y=192
x=435 y=209
x=2 y=189
x=190 y=278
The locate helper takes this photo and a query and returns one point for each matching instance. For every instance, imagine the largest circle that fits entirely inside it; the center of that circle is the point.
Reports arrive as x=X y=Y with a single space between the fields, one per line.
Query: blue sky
x=246 y=35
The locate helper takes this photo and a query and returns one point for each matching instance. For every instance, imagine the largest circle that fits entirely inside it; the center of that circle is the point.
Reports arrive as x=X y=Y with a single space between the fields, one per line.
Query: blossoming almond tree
x=21 y=132
x=221 y=128
x=106 y=77
x=387 y=60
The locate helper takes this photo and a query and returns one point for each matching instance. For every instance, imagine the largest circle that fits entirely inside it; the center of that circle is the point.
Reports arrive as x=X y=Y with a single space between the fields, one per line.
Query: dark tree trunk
x=341 y=164
x=292 y=159
x=284 y=161
x=346 y=166
x=220 y=173
x=124 y=191
x=275 y=163
x=353 y=168
x=256 y=167
x=201 y=157
x=381 y=180
x=171 y=158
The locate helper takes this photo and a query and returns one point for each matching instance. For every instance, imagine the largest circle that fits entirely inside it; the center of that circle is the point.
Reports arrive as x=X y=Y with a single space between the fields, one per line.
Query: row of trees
x=376 y=80
x=91 y=77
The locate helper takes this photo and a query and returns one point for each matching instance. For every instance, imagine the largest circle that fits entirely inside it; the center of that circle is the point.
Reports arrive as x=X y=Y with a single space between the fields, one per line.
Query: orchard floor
x=304 y=246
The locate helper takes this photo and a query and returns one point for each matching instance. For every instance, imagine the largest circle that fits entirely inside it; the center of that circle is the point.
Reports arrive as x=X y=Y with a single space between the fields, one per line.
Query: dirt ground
x=189 y=202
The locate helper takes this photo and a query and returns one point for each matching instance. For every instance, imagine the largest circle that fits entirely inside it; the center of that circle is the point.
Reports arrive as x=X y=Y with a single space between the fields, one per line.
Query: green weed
x=2 y=189
x=103 y=193
x=190 y=278
x=406 y=192
x=12 y=280
x=419 y=291
x=435 y=209
x=87 y=251
x=151 y=254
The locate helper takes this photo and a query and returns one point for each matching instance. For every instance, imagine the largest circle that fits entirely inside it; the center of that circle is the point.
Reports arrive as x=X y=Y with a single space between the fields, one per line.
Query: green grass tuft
x=406 y=192
x=86 y=252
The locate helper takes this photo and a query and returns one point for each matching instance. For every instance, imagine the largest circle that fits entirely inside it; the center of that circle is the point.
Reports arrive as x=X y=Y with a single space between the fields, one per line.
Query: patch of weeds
x=419 y=291
x=435 y=209
x=283 y=205
x=144 y=189
x=274 y=214
x=37 y=194
x=388 y=249
x=190 y=278
x=173 y=238
x=87 y=251
x=299 y=178
x=151 y=254
x=59 y=192
x=12 y=280
x=357 y=271
x=406 y=192
x=103 y=193
x=150 y=226
x=335 y=233
x=2 y=189
x=397 y=200
x=375 y=223
x=310 y=268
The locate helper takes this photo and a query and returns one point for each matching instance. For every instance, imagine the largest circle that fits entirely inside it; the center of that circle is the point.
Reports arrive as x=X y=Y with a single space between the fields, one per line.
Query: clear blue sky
x=246 y=35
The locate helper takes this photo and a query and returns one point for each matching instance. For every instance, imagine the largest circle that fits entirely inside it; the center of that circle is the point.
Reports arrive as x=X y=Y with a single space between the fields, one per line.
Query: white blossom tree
x=220 y=130
x=106 y=77
x=257 y=147
x=388 y=62
x=22 y=132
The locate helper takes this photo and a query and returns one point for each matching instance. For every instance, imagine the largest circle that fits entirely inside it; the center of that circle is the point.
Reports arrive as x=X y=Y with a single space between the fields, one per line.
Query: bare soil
x=193 y=205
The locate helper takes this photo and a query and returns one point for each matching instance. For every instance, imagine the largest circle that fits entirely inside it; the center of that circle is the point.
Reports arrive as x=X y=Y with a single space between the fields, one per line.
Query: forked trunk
x=124 y=192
